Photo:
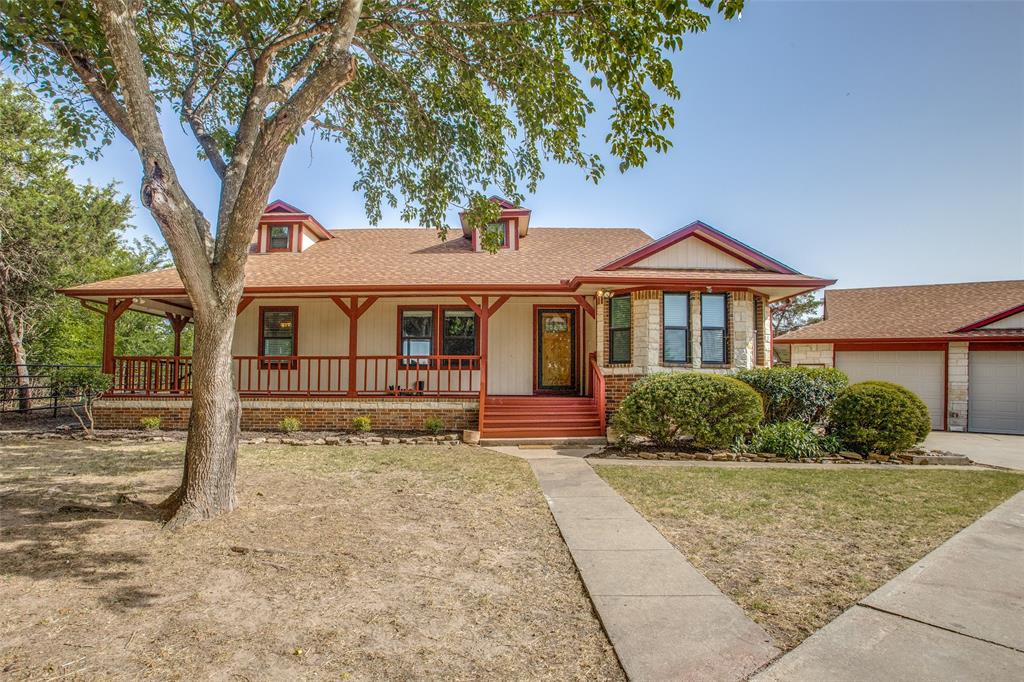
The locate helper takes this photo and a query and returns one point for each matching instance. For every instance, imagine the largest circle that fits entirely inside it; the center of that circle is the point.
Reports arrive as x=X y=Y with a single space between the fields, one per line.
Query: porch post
x=115 y=309
x=485 y=316
x=353 y=344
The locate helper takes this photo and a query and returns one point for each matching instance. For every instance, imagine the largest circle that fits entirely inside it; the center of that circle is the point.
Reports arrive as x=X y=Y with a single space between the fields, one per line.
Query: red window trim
x=437 y=342
x=291 y=238
x=294 y=310
x=509 y=236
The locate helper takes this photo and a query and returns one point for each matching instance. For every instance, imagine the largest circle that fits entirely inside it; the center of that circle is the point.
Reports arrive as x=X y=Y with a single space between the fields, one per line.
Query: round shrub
x=792 y=439
x=803 y=393
x=878 y=416
x=714 y=410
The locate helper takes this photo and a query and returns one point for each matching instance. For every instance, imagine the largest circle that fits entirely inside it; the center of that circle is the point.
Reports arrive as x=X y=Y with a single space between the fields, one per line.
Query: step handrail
x=597 y=386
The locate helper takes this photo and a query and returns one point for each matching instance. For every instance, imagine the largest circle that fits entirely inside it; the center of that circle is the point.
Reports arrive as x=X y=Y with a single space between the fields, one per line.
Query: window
x=452 y=330
x=458 y=333
x=620 y=319
x=278 y=335
x=713 y=329
x=497 y=231
x=417 y=335
x=280 y=238
x=675 y=336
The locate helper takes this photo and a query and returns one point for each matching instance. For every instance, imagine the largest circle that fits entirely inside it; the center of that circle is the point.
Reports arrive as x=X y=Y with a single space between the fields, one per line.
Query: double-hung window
x=713 y=329
x=280 y=238
x=675 y=340
x=620 y=323
x=437 y=331
x=278 y=332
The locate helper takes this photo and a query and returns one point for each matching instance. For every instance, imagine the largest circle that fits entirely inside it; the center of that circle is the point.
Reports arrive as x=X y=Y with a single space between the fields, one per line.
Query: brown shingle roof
x=381 y=258
x=929 y=311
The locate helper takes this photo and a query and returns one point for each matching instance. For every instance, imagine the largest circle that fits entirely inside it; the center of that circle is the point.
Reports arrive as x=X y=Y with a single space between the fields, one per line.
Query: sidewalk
x=665 y=620
x=956 y=614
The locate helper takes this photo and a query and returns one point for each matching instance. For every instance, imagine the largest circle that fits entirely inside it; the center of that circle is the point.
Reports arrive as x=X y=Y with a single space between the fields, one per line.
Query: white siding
x=692 y=254
x=1011 y=322
x=920 y=371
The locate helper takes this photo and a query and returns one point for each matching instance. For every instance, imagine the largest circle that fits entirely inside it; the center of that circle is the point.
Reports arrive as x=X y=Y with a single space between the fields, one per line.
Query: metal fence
x=36 y=394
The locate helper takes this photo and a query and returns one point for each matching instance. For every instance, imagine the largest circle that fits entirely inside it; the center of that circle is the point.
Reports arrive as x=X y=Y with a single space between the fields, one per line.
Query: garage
x=922 y=371
x=996 y=393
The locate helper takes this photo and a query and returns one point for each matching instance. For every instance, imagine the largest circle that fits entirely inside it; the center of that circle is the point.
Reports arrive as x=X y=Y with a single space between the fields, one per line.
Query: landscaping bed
x=395 y=562
x=796 y=547
x=651 y=452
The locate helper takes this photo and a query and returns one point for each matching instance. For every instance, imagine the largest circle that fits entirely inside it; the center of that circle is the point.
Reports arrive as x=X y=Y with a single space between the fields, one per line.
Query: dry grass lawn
x=795 y=548
x=394 y=563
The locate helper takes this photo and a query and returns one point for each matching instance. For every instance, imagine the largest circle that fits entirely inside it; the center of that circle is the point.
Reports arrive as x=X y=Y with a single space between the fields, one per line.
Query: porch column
x=115 y=309
x=178 y=323
x=483 y=311
x=353 y=310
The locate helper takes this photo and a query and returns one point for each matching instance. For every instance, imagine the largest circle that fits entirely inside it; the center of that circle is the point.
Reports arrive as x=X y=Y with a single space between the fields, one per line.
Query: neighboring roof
x=701 y=230
x=396 y=259
x=922 y=312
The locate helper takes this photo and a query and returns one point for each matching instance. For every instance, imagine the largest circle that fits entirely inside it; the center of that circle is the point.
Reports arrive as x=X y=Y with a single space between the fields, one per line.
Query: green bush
x=84 y=384
x=793 y=439
x=802 y=393
x=877 y=416
x=361 y=424
x=150 y=423
x=434 y=425
x=290 y=424
x=715 y=410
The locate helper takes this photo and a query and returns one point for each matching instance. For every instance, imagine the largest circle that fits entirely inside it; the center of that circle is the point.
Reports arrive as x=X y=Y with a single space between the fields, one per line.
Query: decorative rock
x=721 y=456
x=332 y=440
x=320 y=441
x=847 y=454
x=878 y=457
x=648 y=455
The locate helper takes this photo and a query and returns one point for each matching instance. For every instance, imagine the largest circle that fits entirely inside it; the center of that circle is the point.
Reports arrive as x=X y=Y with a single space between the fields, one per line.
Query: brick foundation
x=315 y=415
x=616 y=386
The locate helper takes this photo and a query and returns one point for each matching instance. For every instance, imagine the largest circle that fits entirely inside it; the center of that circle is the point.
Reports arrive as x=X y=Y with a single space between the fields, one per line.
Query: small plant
x=290 y=425
x=830 y=444
x=792 y=439
x=803 y=393
x=84 y=383
x=361 y=424
x=151 y=423
x=712 y=409
x=877 y=416
x=434 y=425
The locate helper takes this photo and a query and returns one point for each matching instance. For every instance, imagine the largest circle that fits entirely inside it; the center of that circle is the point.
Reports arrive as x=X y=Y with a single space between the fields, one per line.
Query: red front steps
x=540 y=417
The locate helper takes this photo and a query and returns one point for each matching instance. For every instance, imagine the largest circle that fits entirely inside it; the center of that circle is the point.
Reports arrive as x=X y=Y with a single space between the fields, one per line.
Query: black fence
x=28 y=390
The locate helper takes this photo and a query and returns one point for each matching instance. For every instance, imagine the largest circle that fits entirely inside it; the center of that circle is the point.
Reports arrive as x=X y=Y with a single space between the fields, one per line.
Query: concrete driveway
x=984 y=448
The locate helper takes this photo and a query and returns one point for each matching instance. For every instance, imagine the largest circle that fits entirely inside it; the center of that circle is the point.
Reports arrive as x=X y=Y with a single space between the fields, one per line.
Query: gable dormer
x=698 y=246
x=286 y=229
x=512 y=226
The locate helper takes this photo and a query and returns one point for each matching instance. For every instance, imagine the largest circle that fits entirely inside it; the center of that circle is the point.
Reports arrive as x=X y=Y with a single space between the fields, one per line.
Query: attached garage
x=996 y=395
x=921 y=371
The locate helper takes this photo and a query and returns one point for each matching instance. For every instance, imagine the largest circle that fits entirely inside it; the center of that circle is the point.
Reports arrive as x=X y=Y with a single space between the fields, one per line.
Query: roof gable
x=665 y=254
x=1012 y=318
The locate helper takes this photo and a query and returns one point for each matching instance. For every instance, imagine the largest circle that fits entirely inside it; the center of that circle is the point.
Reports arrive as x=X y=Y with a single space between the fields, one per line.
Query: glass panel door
x=556 y=350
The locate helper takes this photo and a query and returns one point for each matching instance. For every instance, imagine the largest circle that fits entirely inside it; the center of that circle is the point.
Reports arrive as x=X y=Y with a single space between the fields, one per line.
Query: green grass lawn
x=797 y=547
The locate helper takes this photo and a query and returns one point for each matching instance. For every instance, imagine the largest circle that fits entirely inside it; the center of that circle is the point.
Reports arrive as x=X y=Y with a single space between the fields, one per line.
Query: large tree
x=793 y=313
x=433 y=101
x=52 y=230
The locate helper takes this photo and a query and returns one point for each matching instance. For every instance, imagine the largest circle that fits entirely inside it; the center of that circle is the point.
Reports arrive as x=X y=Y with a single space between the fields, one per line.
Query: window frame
x=290 y=361
x=628 y=329
x=665 y=327
x=437 y=337
x=509 y=236
x=725 y=329
x=291 y=238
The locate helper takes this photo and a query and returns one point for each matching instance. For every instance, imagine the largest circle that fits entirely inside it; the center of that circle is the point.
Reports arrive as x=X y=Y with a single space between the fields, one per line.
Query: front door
x=556 y=350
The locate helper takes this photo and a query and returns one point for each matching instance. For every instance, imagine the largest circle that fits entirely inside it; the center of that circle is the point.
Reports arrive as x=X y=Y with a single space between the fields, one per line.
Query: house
x=541 y=339
x=960 y=347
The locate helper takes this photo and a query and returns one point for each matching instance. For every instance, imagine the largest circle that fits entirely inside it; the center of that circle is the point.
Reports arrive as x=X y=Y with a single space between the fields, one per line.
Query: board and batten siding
x=323 y=330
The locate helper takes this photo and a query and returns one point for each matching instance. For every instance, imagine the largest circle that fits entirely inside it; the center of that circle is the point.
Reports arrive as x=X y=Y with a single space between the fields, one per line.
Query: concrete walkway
x=664 y=618
x=984 y=448
x=957 y=614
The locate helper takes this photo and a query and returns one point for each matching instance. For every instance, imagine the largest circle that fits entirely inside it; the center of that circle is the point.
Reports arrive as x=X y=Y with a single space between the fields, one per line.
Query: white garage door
x=920 y=371
x=996 y=391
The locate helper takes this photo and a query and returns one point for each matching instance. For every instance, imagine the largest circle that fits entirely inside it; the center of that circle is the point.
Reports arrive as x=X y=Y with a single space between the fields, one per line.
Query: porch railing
x=309 y=375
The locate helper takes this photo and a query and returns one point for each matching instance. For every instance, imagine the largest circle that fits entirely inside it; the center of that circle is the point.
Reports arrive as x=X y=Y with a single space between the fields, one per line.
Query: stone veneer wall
x=956 y=389
x=812 y=354
x=266 y=414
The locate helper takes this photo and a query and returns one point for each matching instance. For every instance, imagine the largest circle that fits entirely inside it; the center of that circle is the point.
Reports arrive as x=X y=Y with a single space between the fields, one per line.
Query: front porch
x=329 y=359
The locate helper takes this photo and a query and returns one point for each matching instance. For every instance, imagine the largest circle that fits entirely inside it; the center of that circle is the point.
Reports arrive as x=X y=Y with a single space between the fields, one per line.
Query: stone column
x=958 y=385
x=742 y=329
x=695 y=329
x=646 y=331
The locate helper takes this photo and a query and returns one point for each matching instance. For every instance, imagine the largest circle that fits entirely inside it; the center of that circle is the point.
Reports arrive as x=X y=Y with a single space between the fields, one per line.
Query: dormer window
x=500 y=230
x=509 y=230
x=279 y=238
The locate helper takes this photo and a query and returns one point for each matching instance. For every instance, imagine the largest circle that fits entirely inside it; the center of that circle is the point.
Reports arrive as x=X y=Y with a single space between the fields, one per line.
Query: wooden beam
x=243 y=304
x=340 y=302
x=585 y=304
x=370 y=300
x=493 y=308
x=353 y=344
x=468 y=300
x=114 y=310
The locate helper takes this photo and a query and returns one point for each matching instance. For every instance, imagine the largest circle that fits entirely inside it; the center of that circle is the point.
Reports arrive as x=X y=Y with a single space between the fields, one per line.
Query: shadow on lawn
x=57 y=498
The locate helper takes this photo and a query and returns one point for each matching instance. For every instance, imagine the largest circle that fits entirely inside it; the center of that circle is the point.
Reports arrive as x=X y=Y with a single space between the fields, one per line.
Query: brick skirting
x=616 y=386
x=315 y=415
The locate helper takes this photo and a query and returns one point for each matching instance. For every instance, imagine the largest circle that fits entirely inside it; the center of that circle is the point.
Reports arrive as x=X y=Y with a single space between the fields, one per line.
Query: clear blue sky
x=874 y=142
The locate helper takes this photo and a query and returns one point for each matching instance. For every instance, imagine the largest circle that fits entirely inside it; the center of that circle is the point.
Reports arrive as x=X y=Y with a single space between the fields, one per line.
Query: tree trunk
x=208 y=482
x=15 y=339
